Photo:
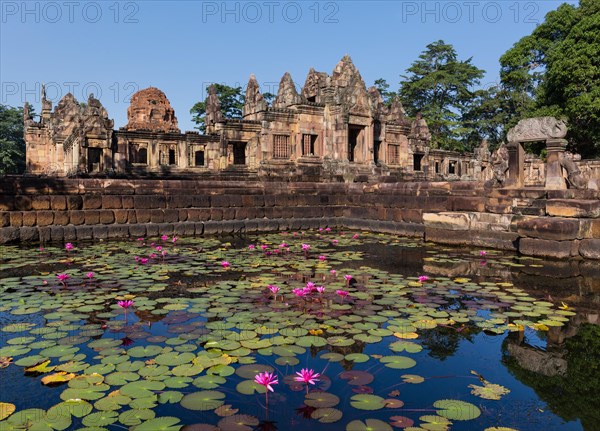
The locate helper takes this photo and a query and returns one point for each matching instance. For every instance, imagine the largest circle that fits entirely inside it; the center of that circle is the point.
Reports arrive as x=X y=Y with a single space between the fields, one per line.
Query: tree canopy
x=232 y=103
x=12 y=143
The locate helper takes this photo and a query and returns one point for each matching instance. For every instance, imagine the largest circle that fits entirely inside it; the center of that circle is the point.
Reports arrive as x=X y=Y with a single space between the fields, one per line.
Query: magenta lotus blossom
x=251 y=247
x=342 y=293
x=283 y=245
x=63 y=277
x=164 y=237
x=143 y=260
x=90 y=275
x=69 y=246
x=264 y=246
x=140 y=239
x=355 y=236
x=42 y=248
x=310 y=285
x=267 y=380
x=158 y=248
x=320 y=289
x=322 y=257
x=348 y=277
x=335 y=242
x=305 y=247
x=423 y=278
x=482 y=253
x=333 y=272
x=274 y=289
x=225 y=264
x=299 y=292
x=175 y=239
x=307 y=376
x=125 y=304
x=152 y=255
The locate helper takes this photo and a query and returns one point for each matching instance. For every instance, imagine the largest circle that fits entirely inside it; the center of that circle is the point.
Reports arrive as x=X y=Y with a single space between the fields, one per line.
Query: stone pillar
x=554 y=177
x=516 y=162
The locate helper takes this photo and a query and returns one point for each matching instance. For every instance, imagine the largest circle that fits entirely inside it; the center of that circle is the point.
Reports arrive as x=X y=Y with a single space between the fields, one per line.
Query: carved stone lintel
x=537 y=129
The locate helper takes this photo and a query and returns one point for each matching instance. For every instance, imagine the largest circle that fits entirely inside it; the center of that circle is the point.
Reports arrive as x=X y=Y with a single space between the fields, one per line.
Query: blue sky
x=113 y=48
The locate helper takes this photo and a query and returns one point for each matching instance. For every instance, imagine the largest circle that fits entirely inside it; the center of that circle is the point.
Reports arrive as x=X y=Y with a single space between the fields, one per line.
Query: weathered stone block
x=182 y=215
x=100 y=232
x=137 y=230
x=61 y=218
x=92 y=217
x=545 y=248
x=448 y=221
x=151 y=230
x=7 y=202
x=573 y=208
x=44 y=218
x=199 y=228
x=118 y=231
x=111 y=202
x=70 y=233
x=44 y=233
x=106 y=217
x=92 y=202
x=127 y=202
x=212 y=227
x=131 y=216
x=462 y=203
x=16 y=218
x=22 y=203
x=40 y=203
x=165 y=228
x=29 y=234
x=120 y=216
x=590 y=248
x=142 y=215
x=74 y=202
x=9 y=234
x=58 y=202
x=84 y=232
x=171 y=215
x=552 y=228
x=57 y=233
x=4 y=219
x=77 y=217
x=157 y=216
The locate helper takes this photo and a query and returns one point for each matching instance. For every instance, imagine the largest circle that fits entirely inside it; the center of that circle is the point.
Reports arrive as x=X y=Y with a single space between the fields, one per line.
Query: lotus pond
x=320 y=330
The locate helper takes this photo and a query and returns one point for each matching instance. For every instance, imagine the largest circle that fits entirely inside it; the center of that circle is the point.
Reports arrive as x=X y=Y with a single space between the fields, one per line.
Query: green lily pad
x=398 y=362
x=327 y=415
x=321 y=399
x=367 y=402
x=368 y=425
x=165 y=423
x=100 y=419
x=142 y=388
x=457 y=410
x=203 y=400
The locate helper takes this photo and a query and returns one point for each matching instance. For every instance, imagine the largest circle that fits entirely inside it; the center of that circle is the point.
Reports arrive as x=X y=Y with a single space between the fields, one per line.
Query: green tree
x=556 y=71
x=12 y=142
x=232 y=103
x=383 y=88
x=439 y=85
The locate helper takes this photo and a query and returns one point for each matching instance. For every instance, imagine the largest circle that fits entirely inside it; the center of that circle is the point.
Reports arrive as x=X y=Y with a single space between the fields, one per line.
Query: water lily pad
x=203 y=400
x=398 y=362
x=321 y=399
x=357 y=377
x=136 y=416
x=250 y=371
x=367 y=402
x=238 y=423
x=327 y=415
x=249 y=387
x=165 y=423
x=6 y=409
x=100 y=419
x=368 y=425
x=489 y=391
x=142 y=388
x=457 y=410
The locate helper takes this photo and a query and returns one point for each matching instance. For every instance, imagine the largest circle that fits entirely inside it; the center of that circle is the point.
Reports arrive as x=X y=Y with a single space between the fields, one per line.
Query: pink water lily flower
x=342 y=293
x=335 y=242
x=267 y=380
x=125 y=304
x=264 y=246
x=251 y=247
x=158 y=248
x=144 y=260
x=69 y=246
x=90 y=275
x=299 y=292
x=305 y=247
x=307 y=376
x=225 y=264
x=274 y=289
x=164 y=237
x=333 y=272
x=355 y=236
x=63 y=277
x=327 y=229
x=175 y=239
x=423 y=278
x=321 y=289
x=482 y=253
x=322 y=257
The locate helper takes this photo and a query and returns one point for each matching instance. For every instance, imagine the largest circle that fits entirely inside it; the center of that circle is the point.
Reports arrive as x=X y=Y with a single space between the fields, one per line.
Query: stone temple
x=333 y=129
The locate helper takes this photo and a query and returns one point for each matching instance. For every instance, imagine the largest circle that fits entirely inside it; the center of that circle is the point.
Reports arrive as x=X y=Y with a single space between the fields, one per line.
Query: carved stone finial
x=286 y=94
x=213 y=107
x=254 y=101
x=397 y=113
x=419 y=128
